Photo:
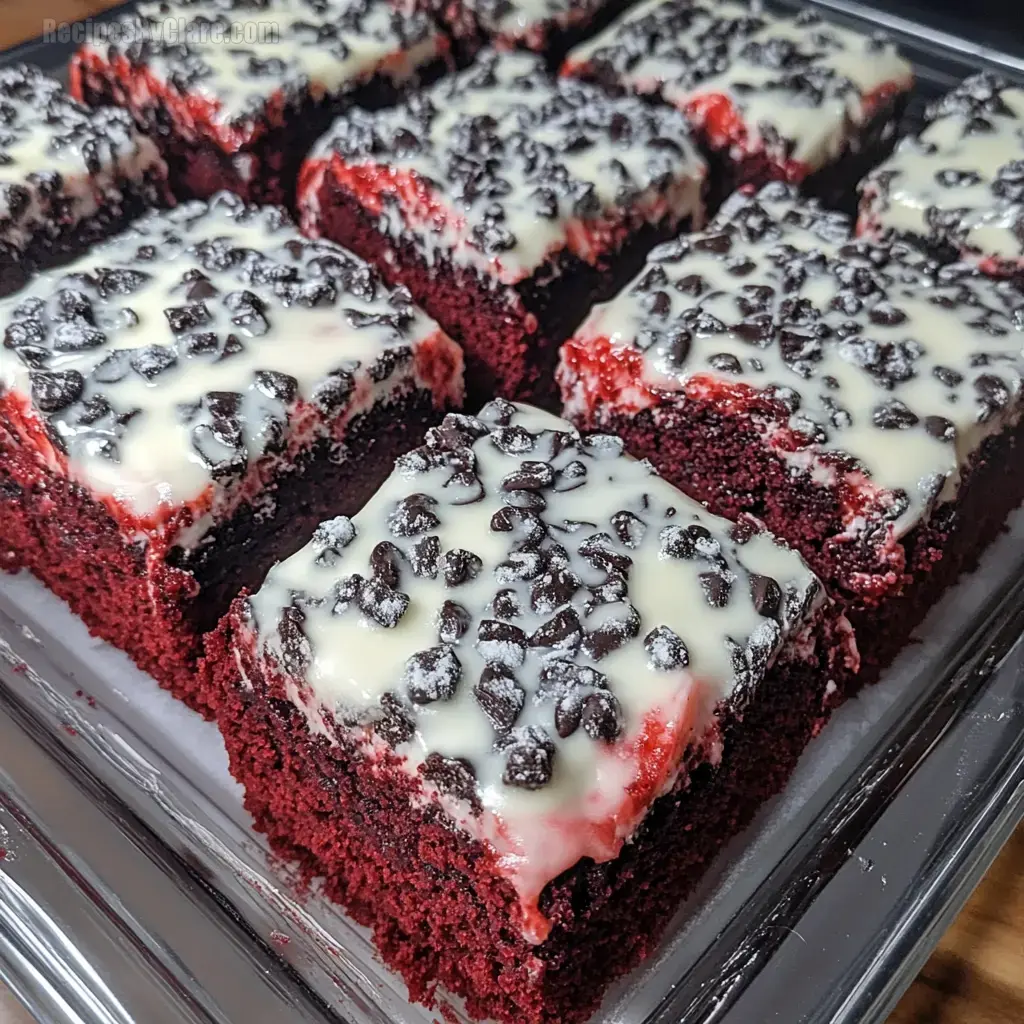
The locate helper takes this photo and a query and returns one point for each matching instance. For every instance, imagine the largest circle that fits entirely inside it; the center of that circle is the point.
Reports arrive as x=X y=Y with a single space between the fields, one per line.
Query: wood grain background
x=976 y=976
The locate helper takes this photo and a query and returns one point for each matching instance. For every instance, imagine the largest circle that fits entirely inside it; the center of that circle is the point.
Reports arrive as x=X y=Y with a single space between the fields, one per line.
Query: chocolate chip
x=766 y=595
x=500 y=643
x=562 y=632
x=621 y=626
x=383 y=603
x=183 y=319
x=600 y=716
x=893 y=415
x=500 y=697
x=453 y=622
x=497 y=413
x=296 y=651
x=665 y=650
x=506 y=605
x=53 y=391
x=529 y=476
x=345 y=594
x=555 y=587
x=717 y=588
x=151 y=361
x=459 y=566
x=951 y=378
x=394 y=726
x=629 y=528
x=432 y=675
x=682 y=541
x=424 y=555
x=331 y=394
x=453 y=777
x=513 y=440
x=940 y=428
x=385 y=563
x=281 y=386
x=603 y=446
x=330 y=538
x=992 y=394
x=412 y=515
x=520 y=565
x=529 y=758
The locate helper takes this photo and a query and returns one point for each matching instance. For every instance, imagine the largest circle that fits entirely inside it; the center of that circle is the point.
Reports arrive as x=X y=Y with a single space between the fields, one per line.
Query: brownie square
x=236 y=92
x=512 y=709
x=549 y=27
x=508 y=202
x=861 y=399
x=773 y=97
x=958 y=186
x=180 y=407
x=69 y=176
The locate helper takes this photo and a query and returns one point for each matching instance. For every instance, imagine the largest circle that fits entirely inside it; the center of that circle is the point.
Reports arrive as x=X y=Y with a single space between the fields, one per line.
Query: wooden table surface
x=976 y=976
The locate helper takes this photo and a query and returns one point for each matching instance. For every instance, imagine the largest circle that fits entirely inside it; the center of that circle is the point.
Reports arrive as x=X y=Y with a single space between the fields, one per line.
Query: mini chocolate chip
x=183 y=319
x=497 y=413
x=611 y=634
x=296 y=651
x=725 y=362
x=665 y=650
x=717 y=587
x=53 y=391
x=940 y=428
x=555 y=587
x=603 y=446
x=500 y=697
x=412 y=515
x=682 y=541
x=281 y=386
x=529 y=476
x=570 y=476
x=385 y=562
x=500 y=643
x=394 y=726
x=562 y=632
x=766 y=594
x=424 y=555
x=345 y=593
x=951 y=378
x=452 y=623
x=629 y=528
x=513 y=440
x=383 y=603
x=529 y=758
x=506 y=605
x=459 y=566
x=993 y=394
x=453 y=777
x=330 y=394
x=520 y=565
x=432 y=675
x=893 y=415
x=330 y=538
x=600 y=716
x=151 y=361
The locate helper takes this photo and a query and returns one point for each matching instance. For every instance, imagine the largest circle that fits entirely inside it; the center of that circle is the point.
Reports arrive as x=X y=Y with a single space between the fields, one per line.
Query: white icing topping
x=527 y=20
x=797 y=84
x=903 y=366
x=59 y=161
x=174 y=358
x=289 y=47
x=502 y=165
x=961 y=181
x=570 y=742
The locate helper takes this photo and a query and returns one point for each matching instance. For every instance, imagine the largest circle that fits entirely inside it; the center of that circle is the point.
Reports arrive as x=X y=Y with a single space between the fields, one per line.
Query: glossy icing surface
x=170 y=363
x=538 y=625
x=883 y=365
x=502 y=165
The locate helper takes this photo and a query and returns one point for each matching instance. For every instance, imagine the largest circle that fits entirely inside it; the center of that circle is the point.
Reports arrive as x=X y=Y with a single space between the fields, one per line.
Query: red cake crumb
x=161 y=445
x=544 y=733
x=242 y=116
x=507 y=252
x=772 y=97
x=70 y=176
x=775 y=367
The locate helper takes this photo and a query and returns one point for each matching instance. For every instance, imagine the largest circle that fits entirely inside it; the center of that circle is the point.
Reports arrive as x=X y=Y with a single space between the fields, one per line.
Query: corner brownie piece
x=512 y=709
x=958 y=187
x=550 y=27
x=508 y=202
x=774 y=97
x=69 y=176
x=241 y=113
x=862 y=400
x=180 y=407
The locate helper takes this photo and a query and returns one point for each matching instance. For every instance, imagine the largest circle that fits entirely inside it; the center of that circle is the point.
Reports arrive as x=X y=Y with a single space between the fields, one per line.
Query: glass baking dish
x=132 y=887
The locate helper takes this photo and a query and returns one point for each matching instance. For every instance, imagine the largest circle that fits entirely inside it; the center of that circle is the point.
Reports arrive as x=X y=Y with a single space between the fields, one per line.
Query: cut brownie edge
x=157 y=611
x=312 y=798
x=510 y=350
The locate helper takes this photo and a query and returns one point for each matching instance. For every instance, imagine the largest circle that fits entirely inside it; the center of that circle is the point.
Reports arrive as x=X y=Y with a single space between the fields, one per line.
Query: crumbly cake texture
x=524 y=649
x=958 y=186
x=550 y=27
x=507 y=201
x=241 y=115
x=857 y=397
x=69 y=176
x=179 y=408
x=774 y=97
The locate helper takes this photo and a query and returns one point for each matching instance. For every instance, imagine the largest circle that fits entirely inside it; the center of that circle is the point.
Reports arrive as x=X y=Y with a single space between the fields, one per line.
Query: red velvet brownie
x=958 y=187
x=550 y=27
x=512 y=709
x=508 y=202
x=773 y=97
x=241 y=113
x=68 y=175
x=180 y=407
x=860 y=399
